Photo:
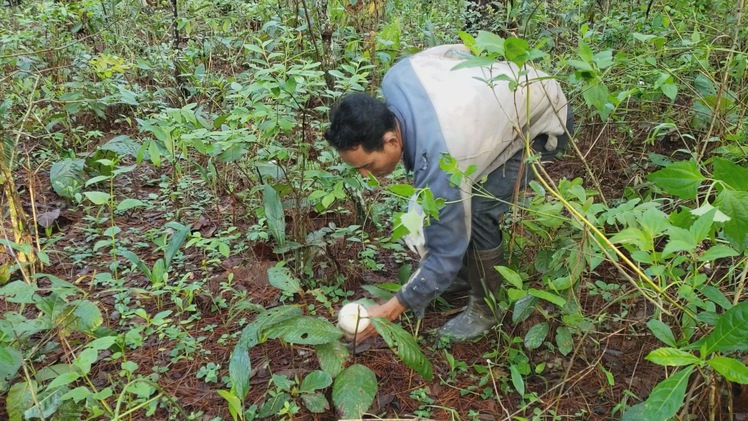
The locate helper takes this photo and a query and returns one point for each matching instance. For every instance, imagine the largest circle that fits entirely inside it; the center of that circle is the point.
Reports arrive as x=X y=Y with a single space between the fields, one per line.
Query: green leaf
x=536 y=335
x=735 y=205
x=404 y=345
x=176 y=241
x=252 y=333
x=77 y=394
x=548 y=296
x=731 y=174
x=661 y=331
x=667 y=397
x=490 y=43
x=670 y=90
x=20 y=398
x=730 y=333
x=19 y=292
x=235 y=404
x=732 y=369
x=716 y=296
x=475 y=62
x=353 y=391
x=121 y=145
x=402 y=190
x=66 y=177
x=516 y=50
x=63 y=379
x=564 y=340
x=596 y=95
x=316 y=403
x=585 y=52
x=240 y=367
x=680 y=179
x=98 y=197
x=85 y=360
x=282 y=278
x=517 y=381
x=672 y=357
x=315 y=380
x=128 y=204
x=10 y=363
x=276 y=218
x=332 y=357
x=305 y=330
x=511 y=276
x=87 y=316
x=720 y=251
x=274 y=404
x=635 y=413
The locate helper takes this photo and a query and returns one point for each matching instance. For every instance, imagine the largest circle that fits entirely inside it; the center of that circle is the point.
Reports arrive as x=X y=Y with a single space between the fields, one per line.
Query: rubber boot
x=460 y=287
x=478 y=317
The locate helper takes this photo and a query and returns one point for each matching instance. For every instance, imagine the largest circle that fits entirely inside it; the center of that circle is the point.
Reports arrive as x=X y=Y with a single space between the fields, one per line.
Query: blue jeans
x=487 y=212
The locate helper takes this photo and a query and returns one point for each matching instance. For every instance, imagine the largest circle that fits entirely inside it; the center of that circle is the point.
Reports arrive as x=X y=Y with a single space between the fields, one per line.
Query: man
x=432 y=110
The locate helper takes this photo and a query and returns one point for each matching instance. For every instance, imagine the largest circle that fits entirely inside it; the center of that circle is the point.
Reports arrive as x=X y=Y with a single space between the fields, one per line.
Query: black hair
x=359 y=119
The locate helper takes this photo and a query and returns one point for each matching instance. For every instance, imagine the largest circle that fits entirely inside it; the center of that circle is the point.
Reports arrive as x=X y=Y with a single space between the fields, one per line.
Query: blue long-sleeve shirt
x=456 y=112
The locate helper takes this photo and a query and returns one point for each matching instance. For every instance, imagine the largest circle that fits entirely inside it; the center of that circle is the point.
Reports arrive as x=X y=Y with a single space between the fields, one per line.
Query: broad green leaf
x=235 y=404
x=654 y=222
x=353 y=391
x=274 y=404
x=87 y=316
x=102 y=343
x=730 y=333
x=680 y=179
x=134 y=259
x=282 y=382
x=667 y=397
x=274 y=214
x=475 y=62
x=523 y=308
x=585 y=52
x=253 y=332
x=548 y=296
x=490 y=42
x=176 y=241
x=282 y=278
x=315 y=380
x=670 y=90
x=596 y=95
x=536 y=335
x=732 y=369
x=332 y=357
x=661 y=331
x=635 y=413
x=564 y=340
x=63 y=380
x=716 y=296
x=511 y=276
x=517 y=381
x=77 y=394
x=731 y=174
x=66 y=177
x=10 y=363
x=305 y=330
x=85 y=360
x=20 y=398
x=18 y=292
x=672 y=357
x=121 y=145
x=402 y=190
x=735 y=205
x=239 y=369
x=316 y=403
x=128 y=204
x=98 y=197
x=719 y=251
x=413 y=221
x=516 y=50
x=404 y=345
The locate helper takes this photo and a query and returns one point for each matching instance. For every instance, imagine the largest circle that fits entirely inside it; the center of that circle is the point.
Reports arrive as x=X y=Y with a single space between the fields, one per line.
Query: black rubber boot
x=478 y=317
x=460 y=287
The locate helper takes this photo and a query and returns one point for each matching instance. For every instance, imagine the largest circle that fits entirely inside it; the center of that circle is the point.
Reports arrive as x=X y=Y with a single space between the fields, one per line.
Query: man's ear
x=391 y=137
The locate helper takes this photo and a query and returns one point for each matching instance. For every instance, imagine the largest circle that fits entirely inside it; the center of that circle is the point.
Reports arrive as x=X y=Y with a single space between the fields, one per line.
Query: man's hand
x=390 y=310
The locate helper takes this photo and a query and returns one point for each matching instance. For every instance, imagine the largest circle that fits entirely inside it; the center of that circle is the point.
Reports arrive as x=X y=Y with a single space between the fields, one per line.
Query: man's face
x=378 y=163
